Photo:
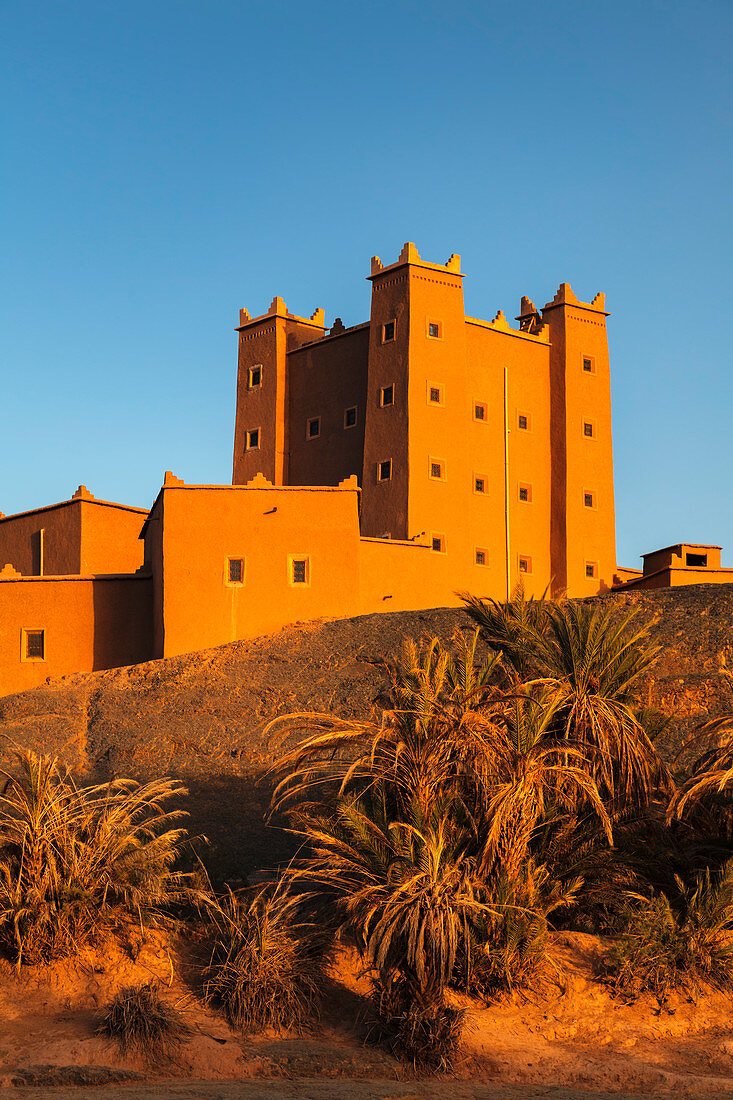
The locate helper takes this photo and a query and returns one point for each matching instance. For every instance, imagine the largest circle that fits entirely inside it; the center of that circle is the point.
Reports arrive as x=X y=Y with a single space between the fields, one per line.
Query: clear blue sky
x=169 y=161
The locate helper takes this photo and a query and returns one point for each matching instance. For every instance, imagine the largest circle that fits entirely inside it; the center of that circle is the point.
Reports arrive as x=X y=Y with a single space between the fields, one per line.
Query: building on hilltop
x=490 y=441
x=388 y=466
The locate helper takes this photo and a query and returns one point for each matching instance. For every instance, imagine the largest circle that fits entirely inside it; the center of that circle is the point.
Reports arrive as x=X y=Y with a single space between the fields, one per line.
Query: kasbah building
x=388 y=466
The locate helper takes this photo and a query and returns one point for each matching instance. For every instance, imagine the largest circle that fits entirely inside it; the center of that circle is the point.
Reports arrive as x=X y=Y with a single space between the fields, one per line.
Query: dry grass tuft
x=141 y=1022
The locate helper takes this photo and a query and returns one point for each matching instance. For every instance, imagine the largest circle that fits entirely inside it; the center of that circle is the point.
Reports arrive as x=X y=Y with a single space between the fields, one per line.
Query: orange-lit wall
x=81 y=535
x=89 y=623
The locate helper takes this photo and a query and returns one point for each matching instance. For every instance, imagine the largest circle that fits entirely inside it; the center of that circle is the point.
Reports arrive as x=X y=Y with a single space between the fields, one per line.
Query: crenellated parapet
x=410 y=255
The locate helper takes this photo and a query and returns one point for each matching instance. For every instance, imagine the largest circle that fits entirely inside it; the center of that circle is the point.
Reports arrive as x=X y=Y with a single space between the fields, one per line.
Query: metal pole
x=506 y=483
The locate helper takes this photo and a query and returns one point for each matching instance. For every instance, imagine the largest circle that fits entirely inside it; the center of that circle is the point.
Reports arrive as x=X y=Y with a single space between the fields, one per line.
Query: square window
x=588 y=430
x=314 y=428
x=437 y=469
x=589 y=500
x=388 y=332
x=235 y=570
x=255 y=376
x=525 y=493
x=435 y=396
x=438 y=543
x=481 y=556
x=591 y=569
x=350 y=417
x=480 y=411
x=299 y=569
x=589 y=364
x=525 y=564
x=523 y=422
x=253 y=439
x=479 y=483
x=384 y=470
x=386 y=396
x=34 y=645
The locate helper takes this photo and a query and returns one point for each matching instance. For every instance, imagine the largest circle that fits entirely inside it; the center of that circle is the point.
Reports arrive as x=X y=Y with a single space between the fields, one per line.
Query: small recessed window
x=525 y=493
x=253 y=439
x=386 y=396
x=435 y=330
x=589 y=499
x=591 y=569
x=588 y=429
x=255 y=376
x=350 y=417
x=437 y=469
x=438 y=543
x=388 y=332
x=589 y=364
x=525 y=564
x=34 y=645
x=523 y=422
x=479 y=483
x=435 y=394
x=314 y=427
x=299 y=569
x=235 y=570
x=480 y=411
x=384 y=470
x=481 y=556
x=697 y=561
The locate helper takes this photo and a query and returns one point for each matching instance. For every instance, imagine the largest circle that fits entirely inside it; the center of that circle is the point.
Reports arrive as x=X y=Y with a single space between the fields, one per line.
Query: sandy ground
x=572 y=1041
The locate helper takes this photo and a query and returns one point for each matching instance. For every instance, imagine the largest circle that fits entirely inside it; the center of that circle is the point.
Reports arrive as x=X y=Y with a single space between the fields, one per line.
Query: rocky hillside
x=201 y=716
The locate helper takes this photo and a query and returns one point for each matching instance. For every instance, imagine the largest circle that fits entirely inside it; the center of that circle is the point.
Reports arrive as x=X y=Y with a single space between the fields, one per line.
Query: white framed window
x=235 y=572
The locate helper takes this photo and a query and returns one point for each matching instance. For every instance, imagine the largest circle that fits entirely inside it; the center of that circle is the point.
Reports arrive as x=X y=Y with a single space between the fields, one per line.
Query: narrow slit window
x=386 y=396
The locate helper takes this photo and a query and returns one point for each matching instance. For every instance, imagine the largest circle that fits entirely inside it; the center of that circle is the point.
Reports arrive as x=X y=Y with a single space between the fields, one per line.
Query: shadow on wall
x=122 y=618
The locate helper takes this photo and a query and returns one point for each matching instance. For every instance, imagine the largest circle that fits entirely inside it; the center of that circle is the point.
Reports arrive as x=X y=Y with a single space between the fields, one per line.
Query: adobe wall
x=19 y=540
x=203 y=526
x=324 y=380
x=89 y=623
x=403 y=576
x=110 y=538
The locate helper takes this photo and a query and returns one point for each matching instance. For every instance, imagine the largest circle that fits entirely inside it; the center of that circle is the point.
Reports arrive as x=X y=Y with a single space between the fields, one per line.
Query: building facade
x=388 y=466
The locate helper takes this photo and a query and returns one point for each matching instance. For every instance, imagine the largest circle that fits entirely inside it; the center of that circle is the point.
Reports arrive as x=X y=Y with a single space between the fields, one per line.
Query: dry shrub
x=426 y=1033
x=665 y=948
x=140 y=1021
x=267 y=966
x=76 y=861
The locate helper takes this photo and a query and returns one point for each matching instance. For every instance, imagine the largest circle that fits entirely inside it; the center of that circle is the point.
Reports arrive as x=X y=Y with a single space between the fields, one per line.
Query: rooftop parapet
x=566 y=297
x=410 y=255
x=278 y=308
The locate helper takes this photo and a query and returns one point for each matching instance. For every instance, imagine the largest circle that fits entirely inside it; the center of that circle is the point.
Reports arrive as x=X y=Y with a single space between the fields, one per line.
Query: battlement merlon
x=410 y=255
x=278 y=308
x=566 y=297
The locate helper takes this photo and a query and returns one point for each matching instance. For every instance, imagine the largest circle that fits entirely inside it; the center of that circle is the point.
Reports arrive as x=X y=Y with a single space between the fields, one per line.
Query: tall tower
x=412 y=432
x=261 y=428
x=583 y=529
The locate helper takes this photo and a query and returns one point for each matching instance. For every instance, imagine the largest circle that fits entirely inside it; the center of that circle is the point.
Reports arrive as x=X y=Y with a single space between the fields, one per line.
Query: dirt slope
x=200 y=716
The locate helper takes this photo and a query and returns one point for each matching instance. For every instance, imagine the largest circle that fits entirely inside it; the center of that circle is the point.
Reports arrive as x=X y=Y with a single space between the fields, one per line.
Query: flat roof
x=675 y=545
